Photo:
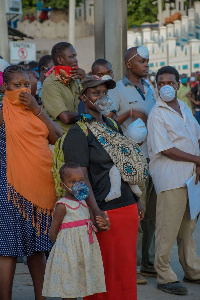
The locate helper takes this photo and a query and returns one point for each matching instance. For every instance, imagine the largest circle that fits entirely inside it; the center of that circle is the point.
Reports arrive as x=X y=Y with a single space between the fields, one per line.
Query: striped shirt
x=167 y=129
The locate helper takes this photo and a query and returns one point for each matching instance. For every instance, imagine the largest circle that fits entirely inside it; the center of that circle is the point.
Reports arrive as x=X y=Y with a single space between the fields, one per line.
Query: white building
x=176 y=44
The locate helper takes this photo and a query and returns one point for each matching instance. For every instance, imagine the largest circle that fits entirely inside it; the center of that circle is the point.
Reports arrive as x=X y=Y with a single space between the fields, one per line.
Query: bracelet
x=40 y=112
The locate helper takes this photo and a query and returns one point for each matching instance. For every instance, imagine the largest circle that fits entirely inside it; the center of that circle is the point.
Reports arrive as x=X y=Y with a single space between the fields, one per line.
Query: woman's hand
x=29 y=101
x=140 y=210
x=102 y=223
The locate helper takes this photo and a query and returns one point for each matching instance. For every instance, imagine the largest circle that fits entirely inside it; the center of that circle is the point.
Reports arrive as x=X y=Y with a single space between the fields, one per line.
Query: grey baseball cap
x=92 y=81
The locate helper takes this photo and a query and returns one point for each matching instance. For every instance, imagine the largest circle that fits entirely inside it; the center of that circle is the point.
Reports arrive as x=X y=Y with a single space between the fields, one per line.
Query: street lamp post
x=72 y=6
x=4 y=46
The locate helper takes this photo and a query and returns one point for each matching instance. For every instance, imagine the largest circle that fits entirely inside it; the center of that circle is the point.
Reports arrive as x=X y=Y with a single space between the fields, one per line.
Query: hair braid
x=9 y=71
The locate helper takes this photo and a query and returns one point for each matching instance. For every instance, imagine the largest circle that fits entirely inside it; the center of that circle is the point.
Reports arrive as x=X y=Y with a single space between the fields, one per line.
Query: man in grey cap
x=133 y=98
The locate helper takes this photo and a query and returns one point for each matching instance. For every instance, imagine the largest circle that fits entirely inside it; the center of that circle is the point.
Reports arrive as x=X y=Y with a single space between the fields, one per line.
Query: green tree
x=29 y=3
x=59 y=4
x=139 y=12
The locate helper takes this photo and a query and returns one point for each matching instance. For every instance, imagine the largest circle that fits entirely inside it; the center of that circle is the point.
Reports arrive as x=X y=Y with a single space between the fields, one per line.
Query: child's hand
x=29 y=101
x=102 y=223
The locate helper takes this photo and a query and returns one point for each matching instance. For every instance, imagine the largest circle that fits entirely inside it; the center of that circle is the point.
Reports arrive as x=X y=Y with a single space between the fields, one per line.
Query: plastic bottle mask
x=167 y=93
x=103 y=104
x=79 y=190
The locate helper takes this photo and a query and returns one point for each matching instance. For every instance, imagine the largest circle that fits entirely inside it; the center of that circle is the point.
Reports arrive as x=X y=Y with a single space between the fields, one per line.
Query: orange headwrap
x=29 y=159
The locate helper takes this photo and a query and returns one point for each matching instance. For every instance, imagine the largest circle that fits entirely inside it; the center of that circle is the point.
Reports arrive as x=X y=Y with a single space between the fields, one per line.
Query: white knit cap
x=137 y=131
x=3 y=64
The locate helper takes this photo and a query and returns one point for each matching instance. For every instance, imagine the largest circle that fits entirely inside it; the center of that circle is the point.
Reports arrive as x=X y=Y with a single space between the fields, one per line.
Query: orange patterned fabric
x=29 y=159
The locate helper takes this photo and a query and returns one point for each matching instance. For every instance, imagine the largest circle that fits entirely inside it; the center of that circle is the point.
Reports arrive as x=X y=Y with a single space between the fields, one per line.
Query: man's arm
x=180 y=155
x=189 y=96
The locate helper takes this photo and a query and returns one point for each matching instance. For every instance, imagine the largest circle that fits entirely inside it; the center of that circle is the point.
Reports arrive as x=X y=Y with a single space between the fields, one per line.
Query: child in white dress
x=137 y=132
x=74 y=268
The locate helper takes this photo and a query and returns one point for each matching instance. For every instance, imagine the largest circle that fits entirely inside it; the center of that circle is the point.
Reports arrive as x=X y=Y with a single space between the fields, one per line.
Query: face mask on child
x=137 y=131
x=79 y=190
x=167 y=93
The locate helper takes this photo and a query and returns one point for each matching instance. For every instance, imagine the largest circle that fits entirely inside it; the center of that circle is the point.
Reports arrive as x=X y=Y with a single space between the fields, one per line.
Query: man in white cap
x=133 y=98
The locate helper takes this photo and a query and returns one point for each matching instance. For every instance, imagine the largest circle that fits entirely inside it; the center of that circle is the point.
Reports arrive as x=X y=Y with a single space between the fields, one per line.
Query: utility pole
x=111 y=33
x=160 y=12
x=72 y=6
x=4 y=46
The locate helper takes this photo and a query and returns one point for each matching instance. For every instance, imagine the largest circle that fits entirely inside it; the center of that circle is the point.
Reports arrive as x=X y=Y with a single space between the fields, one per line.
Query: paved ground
x=23 y=289
x=84 y=48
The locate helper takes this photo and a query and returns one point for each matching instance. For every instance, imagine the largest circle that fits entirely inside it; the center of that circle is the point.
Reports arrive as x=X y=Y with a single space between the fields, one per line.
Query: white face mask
x=167 y=93
x=192 y=79
x=152 y=78
x=137 y=131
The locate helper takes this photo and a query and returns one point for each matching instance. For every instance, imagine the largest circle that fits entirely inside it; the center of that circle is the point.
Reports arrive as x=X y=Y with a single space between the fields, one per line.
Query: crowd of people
x=93 y=174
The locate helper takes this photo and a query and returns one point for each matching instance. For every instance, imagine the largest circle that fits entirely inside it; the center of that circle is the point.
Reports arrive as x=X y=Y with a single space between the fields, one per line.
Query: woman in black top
x=118 y=244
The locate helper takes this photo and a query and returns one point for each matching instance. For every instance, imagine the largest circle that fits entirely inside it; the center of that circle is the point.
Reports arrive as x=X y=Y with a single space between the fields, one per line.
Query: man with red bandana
x=60 y=89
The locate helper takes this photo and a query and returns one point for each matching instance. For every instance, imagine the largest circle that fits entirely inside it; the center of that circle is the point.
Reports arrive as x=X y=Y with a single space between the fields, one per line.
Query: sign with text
x=22 y=51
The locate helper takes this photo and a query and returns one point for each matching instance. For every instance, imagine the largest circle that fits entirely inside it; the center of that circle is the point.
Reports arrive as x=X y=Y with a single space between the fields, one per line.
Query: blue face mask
x=184 y=80
x=79 y=190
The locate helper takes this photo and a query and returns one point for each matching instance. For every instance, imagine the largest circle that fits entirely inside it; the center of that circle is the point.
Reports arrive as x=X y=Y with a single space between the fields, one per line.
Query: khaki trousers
x=173 y=222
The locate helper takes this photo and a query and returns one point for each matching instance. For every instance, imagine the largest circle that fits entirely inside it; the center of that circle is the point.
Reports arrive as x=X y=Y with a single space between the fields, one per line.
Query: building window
x=162 y=63
x=179 y=67
x=90 y=12
x=185 y=67
x=151 y=65
x=196 y=65
x=80 y=12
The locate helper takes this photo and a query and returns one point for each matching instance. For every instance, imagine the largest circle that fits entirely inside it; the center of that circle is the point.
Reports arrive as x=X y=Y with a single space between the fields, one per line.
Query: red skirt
x=119 y=253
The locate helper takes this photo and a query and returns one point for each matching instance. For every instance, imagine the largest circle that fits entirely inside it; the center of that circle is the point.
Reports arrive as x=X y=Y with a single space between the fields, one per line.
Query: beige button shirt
x=167 y=129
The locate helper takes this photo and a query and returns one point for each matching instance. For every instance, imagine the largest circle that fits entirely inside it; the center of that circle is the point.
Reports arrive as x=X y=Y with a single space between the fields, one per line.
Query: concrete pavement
x=23 y=289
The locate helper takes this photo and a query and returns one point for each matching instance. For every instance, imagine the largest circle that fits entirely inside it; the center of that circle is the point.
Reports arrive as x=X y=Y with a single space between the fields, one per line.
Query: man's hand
x=77 y=73
x=140 y=210
x=136 y=114
x=197 y=174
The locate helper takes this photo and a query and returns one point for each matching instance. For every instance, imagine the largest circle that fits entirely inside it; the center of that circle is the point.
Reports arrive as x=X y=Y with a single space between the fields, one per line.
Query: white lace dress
x=74 y=267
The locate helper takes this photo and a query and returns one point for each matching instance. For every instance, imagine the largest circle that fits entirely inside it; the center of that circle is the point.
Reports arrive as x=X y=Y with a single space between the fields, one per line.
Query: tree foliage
x=29 y=3
x=59 y=4
x=139 y=12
